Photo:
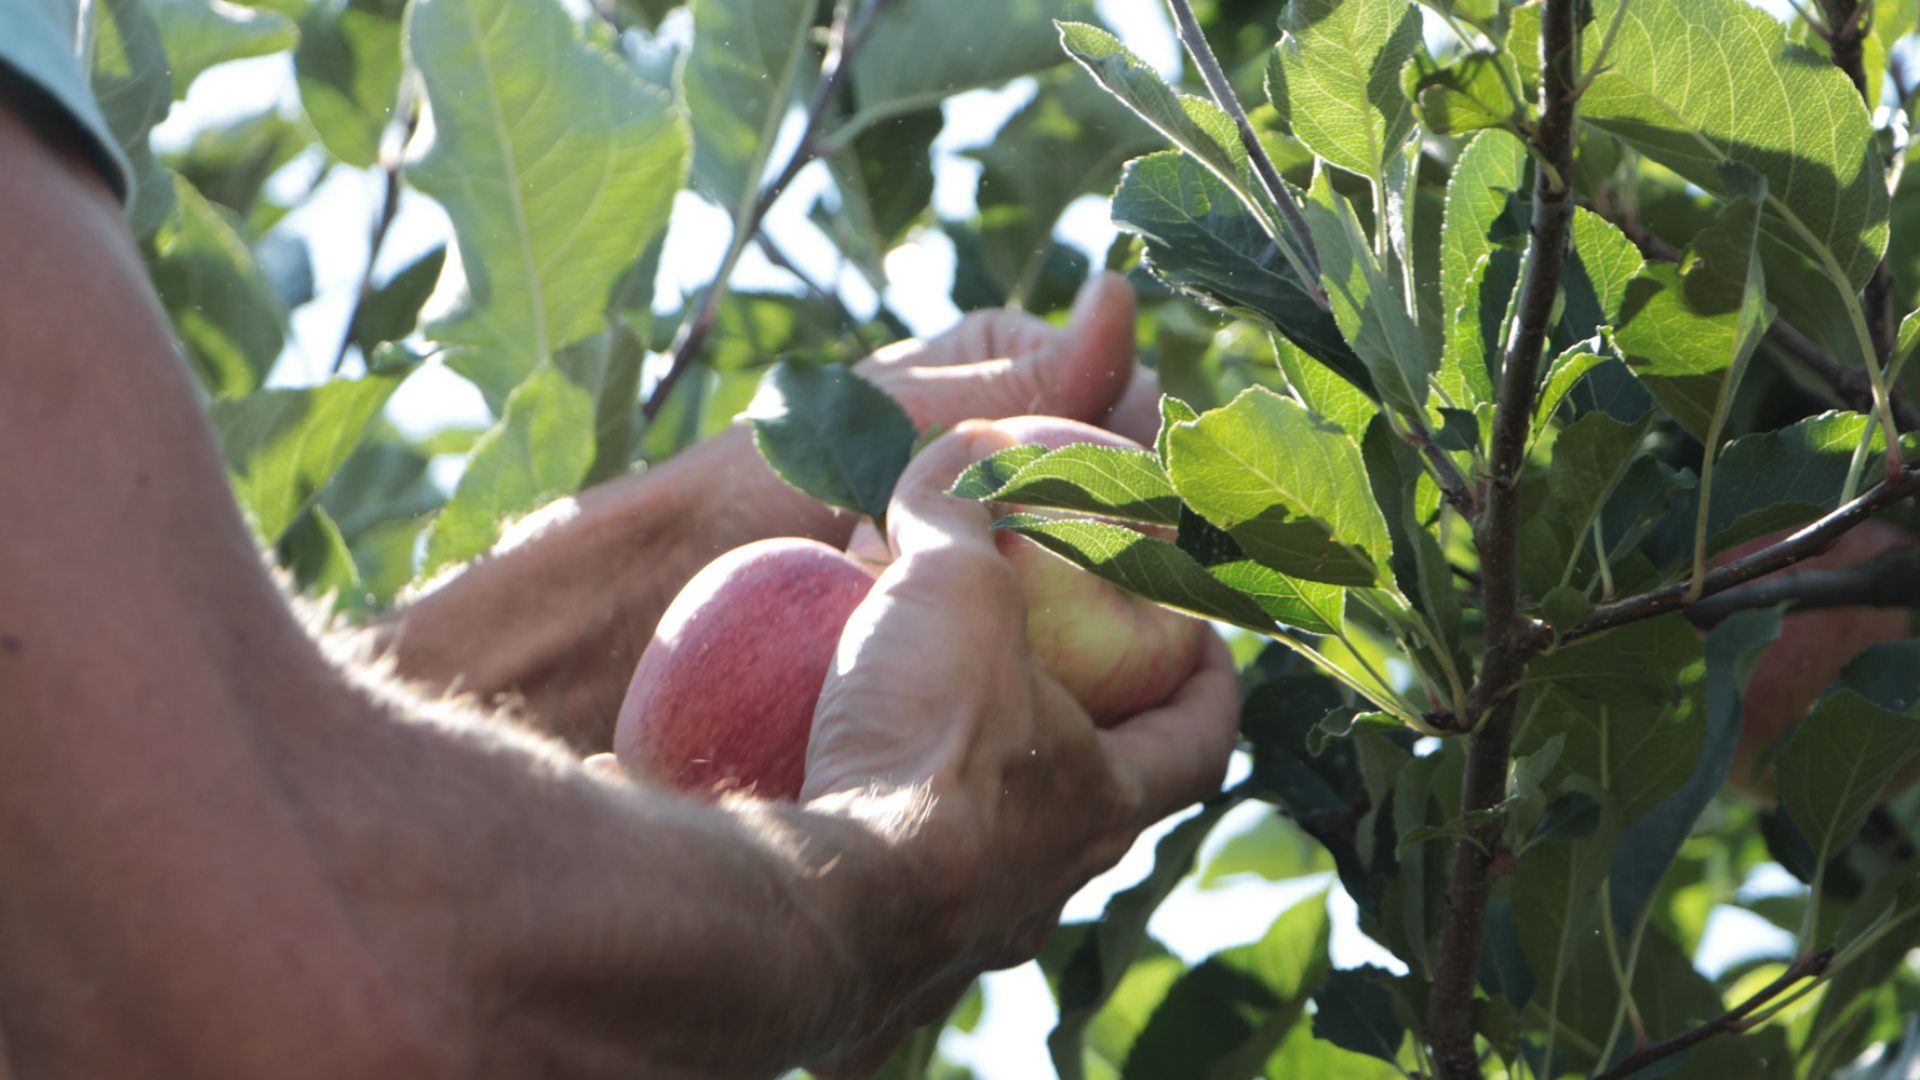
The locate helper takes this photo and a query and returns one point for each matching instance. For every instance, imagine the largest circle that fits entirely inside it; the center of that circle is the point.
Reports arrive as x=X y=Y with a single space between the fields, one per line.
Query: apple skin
x=722 y=699
x=1813 y=647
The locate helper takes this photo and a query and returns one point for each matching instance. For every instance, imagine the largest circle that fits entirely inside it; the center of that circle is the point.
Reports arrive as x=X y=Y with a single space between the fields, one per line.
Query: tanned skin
x=224 y=855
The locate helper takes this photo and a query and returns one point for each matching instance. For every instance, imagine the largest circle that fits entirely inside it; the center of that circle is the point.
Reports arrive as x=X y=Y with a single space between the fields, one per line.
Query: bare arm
x=223 y=857
x=557 y=621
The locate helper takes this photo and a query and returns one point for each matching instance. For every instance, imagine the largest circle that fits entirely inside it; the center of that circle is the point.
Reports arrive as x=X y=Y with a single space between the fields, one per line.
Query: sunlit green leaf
x=539 y=451
x=1290 y=487
x=1491 y=170
x=747 y=58
x=224 y=310
x=283 y=446
x=903 y=65
x=1335 y=79
x=557 y=166
x=1698 y=84
x=1142 y=565
x=1367 y=301
x=348 y=67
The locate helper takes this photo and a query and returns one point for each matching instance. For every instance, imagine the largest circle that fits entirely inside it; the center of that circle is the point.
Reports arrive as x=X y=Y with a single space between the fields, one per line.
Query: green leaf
x=230 y=163
x=1837 y=762
x=317 y=556
x=1464 y=95
x=1650 y=844
x=556 y=163
x=1272 y=849
x=1354 y=1011
x=1556 y=893
x=283 y=446
x=1607 y=258
x=539 y=451
x=1229 y=1014
x=1778 y=479
x=1490 y=172
x=739 y=82
x=905 y=63
x=348 y=67
x=1194 y=124
x=1335 y=79
x=1173 y=411
x=1304 y=1055
x=198 y=34
x=1094 y=970
x=1589 y=460
x=884 y=179
x=392 y=310
x=1202 y=241
x=1309 y=606
x=1290 y=487
x=228 y=317
x=1152 y=569
x=132 y=84
x=1367 y=302
x=833 y=435
x=1323 y=390
x=1698 y=84
x=1629 y=703
x=1563 y=375
x=1109 y=481
x=991 y=473
x=1688 y=332
x=1565 y=607
x=1069 y=141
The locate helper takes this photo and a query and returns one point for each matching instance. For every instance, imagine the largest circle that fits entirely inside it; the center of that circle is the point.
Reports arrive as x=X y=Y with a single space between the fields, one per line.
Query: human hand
x=997 y=793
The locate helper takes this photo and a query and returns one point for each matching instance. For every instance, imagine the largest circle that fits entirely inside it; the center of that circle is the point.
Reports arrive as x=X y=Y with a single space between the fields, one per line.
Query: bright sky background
x=334 y=224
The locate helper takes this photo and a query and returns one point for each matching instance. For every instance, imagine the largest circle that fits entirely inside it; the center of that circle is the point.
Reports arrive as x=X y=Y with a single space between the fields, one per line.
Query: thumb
x=1084 y=370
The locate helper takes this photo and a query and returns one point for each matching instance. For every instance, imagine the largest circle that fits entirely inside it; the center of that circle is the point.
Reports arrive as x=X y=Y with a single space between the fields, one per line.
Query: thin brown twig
x=1729 y=1022
x=1195 y=40
x=1888 y=580
x=843 y=43
x=390 y=165
x=1510 y=636
x=1804 y=543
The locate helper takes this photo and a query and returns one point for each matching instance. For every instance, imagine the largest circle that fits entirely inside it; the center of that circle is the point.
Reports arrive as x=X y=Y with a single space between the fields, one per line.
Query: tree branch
x=383 y=222
x=1510 y=637
x=1195 y=39
x=1888 y=580
x=843 y=44
x=1729 y=1022
x=1807 y=542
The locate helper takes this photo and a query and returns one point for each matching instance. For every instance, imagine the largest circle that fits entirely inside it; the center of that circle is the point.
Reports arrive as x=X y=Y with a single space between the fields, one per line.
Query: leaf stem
x=1511 y=638
x=1195 y=40
x=844 y=38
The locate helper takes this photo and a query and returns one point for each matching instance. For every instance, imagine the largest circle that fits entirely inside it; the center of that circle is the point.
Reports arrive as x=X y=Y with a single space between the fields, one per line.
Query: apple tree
x=1518 y=358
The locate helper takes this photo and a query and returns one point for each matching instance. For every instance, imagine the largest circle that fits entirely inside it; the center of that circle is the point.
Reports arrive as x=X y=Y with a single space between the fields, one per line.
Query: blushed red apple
x=1813 y=647
x=723 y=697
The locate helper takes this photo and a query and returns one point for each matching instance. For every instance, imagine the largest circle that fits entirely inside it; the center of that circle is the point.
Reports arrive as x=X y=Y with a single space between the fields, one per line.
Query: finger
x=1137 y=414
x=922 y=515
x=1007 y=363
x=1177 y=754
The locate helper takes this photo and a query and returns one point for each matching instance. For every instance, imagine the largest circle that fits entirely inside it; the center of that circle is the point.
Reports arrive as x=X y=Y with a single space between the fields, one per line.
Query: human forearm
x=603 y=928
x=556 y=620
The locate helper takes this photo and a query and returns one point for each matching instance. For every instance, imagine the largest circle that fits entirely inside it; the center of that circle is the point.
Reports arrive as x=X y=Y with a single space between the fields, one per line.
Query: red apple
x=723 y=697
x=1794 y=671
